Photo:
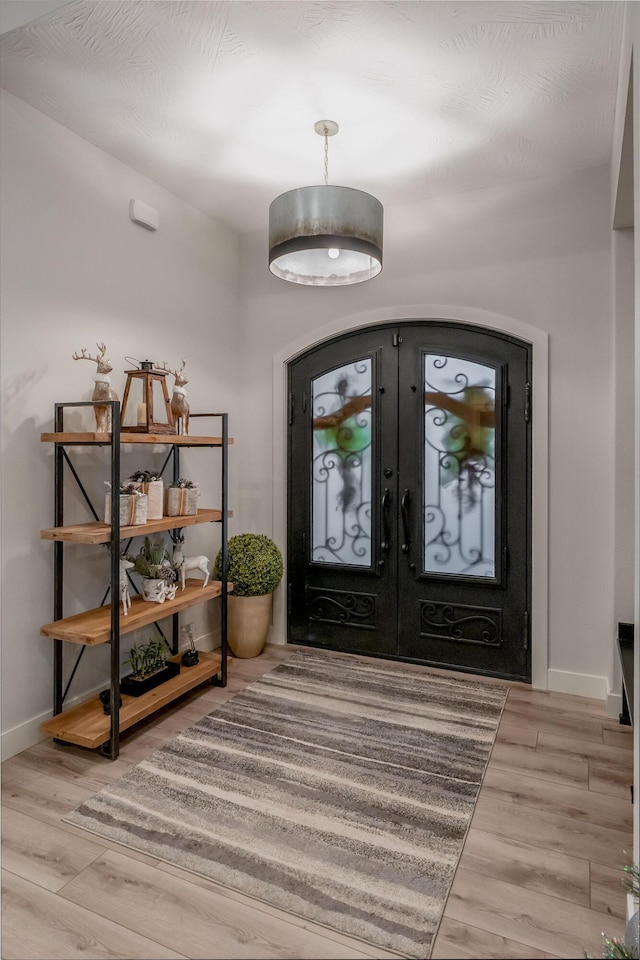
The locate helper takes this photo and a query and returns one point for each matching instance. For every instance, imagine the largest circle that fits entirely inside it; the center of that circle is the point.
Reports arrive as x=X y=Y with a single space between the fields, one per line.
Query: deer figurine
x=179 y=402
x=186 y=565
x=102 y=389
x=125 y=597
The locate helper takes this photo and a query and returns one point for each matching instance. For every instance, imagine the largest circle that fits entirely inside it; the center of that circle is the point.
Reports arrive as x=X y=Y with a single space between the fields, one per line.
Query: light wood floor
x=540 y=875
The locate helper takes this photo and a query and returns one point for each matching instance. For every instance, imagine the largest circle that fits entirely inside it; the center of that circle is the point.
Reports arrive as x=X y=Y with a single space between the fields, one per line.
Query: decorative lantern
x=146 y=407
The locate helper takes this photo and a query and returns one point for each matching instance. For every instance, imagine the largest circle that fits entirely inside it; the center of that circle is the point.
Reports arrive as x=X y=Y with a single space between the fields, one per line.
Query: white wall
x=626 y=248
x=623 y=572
x=76 y=270
x=623 y=267
x=536 y=252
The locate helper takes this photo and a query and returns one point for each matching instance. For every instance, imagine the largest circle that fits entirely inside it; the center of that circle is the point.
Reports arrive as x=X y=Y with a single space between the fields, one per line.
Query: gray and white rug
x=338 y=789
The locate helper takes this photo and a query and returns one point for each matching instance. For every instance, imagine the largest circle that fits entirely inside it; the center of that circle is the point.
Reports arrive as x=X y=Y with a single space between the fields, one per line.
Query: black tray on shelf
x=135 y=688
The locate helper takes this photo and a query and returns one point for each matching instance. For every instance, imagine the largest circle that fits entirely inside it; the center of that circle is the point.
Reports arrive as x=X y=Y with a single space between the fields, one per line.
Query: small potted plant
x=151 y=485
x=182 y=498
x=153 y=565
x=133 y=505
x=149 y=668
x=255 y=570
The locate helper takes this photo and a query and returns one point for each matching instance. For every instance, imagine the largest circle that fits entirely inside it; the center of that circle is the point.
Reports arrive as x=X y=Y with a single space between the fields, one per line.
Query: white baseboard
x=28 y=733
x=578 y=684
x=614 y=705
x=23 y=736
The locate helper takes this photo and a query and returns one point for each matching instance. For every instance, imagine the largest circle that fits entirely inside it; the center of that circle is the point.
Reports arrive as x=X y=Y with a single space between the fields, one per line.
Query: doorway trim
x=539 y=341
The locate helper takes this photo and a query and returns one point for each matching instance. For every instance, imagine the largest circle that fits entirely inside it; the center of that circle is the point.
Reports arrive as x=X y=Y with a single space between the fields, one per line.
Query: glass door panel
x=459 y=467
x=342 y=471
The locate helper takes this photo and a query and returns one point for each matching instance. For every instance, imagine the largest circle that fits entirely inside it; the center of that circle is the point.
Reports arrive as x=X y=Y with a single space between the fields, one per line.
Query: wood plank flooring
x=540 y=874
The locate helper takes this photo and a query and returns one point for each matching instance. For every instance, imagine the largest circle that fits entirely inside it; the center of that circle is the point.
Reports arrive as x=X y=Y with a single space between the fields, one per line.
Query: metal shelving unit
x=86 y=724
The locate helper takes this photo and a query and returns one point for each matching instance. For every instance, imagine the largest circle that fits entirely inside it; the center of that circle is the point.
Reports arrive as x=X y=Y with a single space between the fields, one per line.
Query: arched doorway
x=409 y=465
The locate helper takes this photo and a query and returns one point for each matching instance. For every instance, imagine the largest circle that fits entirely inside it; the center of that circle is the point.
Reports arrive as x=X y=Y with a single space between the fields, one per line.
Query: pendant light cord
x=326 y=157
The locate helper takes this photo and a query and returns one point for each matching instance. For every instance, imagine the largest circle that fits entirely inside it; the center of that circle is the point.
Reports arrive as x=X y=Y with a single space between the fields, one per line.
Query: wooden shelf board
x=94 y=626
x=87 y=726
x=96 y=532
x=175 y=439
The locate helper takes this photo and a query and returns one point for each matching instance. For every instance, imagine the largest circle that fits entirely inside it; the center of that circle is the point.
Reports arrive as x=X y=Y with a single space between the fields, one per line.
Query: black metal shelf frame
x=62 y=459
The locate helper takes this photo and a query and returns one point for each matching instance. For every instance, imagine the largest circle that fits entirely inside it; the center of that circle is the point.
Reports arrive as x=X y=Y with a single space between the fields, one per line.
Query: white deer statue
x=187 y=564
x=125 y=596
x=102 y=389
x=179 y=402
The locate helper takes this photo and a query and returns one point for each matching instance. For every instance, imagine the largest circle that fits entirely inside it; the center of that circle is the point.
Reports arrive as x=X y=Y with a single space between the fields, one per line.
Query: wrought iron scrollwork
x=464 y=624
x=342 y=606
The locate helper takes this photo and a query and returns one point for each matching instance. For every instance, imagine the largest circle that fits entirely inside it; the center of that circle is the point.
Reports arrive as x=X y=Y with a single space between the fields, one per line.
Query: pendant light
x=325 y=236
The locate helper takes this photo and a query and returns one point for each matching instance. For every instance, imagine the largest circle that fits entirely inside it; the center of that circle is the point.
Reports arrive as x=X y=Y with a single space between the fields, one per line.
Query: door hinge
x=526 y=630
x=527 y=402
x=505 y=558
x=304 y=403
x=291 y=405
x=396 y=339
x=508 y=396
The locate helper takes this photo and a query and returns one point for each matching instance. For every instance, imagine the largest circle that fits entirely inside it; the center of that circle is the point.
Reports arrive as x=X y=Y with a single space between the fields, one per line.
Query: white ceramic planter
x=153 y=590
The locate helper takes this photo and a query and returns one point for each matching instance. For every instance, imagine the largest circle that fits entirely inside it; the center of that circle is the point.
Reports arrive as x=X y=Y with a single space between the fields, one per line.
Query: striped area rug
x=336 y=788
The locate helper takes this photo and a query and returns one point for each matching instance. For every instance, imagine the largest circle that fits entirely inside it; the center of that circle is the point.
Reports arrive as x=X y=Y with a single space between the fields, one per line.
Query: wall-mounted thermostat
x=143 y=214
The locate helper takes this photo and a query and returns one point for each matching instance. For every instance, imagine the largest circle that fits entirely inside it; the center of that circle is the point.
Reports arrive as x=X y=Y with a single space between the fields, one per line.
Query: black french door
x=409 y=497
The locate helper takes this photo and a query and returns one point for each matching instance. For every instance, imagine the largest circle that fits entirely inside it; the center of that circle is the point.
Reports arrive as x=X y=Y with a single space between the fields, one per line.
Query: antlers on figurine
x=104 y=366
x=179 y=403
x=185 y=565
x=102 y=389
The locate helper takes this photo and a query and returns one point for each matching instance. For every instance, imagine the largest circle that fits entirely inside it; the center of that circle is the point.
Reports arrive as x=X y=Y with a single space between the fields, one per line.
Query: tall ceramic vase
x=248 y=621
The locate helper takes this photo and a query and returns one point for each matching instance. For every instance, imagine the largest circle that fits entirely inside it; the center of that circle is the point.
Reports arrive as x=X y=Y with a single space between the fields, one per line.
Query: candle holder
x=146 y=398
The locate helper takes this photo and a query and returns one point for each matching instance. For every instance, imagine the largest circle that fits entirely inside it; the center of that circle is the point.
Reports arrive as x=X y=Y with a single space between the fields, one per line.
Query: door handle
x=385 y=546
x=405 y=503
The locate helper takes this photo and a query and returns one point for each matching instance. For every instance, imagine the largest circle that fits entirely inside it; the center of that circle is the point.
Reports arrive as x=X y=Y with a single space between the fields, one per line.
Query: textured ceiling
x=217 y=100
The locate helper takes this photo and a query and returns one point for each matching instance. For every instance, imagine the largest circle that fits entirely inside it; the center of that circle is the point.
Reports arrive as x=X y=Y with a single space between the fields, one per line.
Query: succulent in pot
x=151 y=558
x=255 y=569
x=159 y=580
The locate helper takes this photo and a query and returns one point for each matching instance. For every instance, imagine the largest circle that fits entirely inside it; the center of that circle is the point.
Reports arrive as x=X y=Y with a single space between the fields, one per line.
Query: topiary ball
x=255 y=565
